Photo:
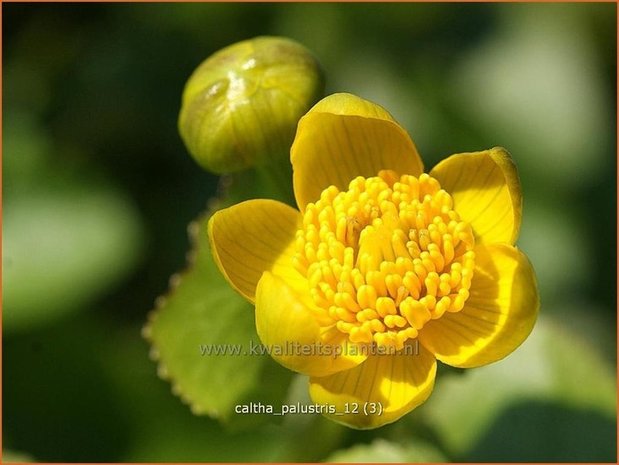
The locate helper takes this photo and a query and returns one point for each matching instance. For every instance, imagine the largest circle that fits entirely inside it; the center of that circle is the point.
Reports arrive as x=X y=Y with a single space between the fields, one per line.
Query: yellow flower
x=384 y=269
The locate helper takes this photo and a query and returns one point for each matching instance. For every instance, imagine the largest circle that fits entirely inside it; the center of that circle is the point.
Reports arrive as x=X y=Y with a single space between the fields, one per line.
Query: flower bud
x=241 y=106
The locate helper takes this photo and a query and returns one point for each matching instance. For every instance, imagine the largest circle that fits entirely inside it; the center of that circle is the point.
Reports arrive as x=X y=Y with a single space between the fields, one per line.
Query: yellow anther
x=344 y=327
x=429 y=301
x=377 y=326
x=401 y=295
x=385 y=306
x=432 y=282
x=349 y=257
x=322 y=254
x=377 y=280
x=308 y=217
x=402 y=336
x=341 y=229
x=419 y=269
x=345 y=300
x=458 y=301
x=327 y=275
x=366 y=296
x=427 y=262
x=393 y=283
x=442 y=306
x=311 y=234
x=333 y=312
x=309 y=252
x=393 y=321
x=448 y=248
x=389 y=176
x=344 y=284
x=416 y=313
x=366 y=315
x=424 y=238
x=456 y=276
x=385 y=339
x=360 y=334
x=318 y=298
x=413 y=249
x=403 y=264
x=336 y=250
x=357 y=278
x=329 y=194
x=443 y=287
x=437 y=257
x=385 y=257
x=314 y=278
x=412 y=283
x=345 y=315
x=435 y=237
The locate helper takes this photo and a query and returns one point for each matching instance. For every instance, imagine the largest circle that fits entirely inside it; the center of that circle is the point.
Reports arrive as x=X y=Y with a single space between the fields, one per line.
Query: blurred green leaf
x=25 y=149
x=382 y=451
x=59 y=405
x=545 y=236
x=547 y=431
x=552 y=365
x=62 y=248
x=537 y=85
x=9 y=456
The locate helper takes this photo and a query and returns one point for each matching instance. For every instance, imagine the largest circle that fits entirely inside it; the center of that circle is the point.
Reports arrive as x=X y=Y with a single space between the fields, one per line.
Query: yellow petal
x=497 y=317
x=288 y=329
x=486 y=192
x=342 y=137
x=380 y=390
x=252 y=237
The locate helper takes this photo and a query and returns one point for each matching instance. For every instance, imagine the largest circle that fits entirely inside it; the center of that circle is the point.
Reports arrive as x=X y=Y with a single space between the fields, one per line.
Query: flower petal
x=252 y=237
x=288 y=329
x=391 y=384
x=486 y=192
x=342 y=137
x=497 y=317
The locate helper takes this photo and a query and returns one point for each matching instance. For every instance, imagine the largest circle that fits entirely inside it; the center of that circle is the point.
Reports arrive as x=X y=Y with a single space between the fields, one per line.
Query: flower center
x=385 y=257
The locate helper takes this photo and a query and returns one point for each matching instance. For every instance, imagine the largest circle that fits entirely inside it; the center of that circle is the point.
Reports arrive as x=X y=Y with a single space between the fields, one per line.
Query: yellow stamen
x=385 y=257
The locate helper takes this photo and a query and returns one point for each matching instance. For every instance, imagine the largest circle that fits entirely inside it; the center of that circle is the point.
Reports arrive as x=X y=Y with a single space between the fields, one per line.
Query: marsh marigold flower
x=381 y=258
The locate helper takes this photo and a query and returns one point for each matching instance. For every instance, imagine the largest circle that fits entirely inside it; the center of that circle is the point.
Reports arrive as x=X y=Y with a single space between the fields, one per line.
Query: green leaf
x=553 y=377
x=382 y=451
x=202 y=312
x=62 y=248
x=164 y=430
x=68 y=234
x=542 y=54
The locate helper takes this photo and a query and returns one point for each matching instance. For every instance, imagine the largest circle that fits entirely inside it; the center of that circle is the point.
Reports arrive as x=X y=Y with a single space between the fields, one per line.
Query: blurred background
x=98 y=191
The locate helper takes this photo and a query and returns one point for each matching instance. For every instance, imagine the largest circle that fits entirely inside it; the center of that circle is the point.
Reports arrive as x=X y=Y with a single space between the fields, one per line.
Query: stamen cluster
x=385 y=257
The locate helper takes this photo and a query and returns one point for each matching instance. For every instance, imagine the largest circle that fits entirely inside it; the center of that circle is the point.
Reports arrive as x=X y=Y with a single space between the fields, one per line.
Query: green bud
x=242 y=104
